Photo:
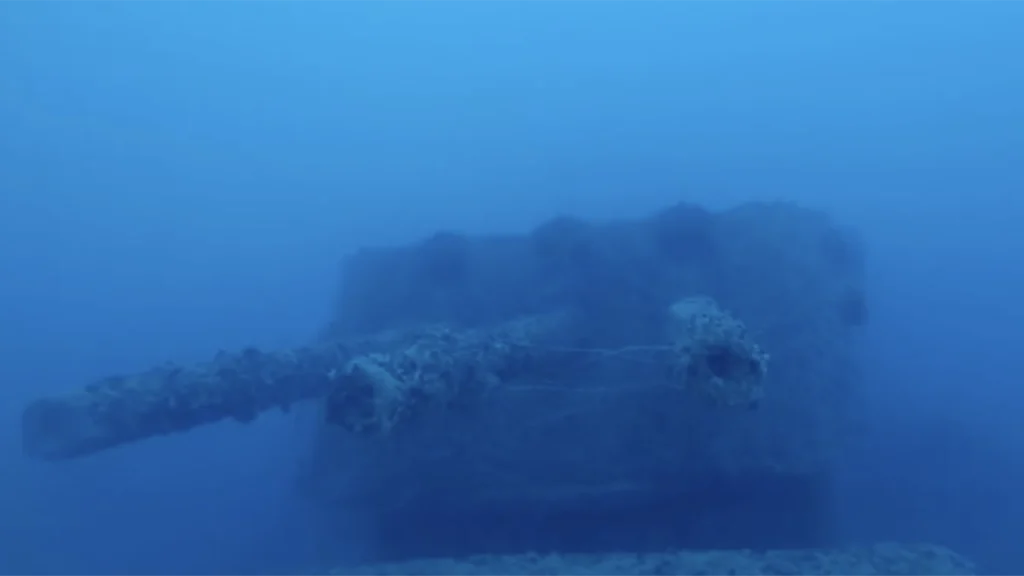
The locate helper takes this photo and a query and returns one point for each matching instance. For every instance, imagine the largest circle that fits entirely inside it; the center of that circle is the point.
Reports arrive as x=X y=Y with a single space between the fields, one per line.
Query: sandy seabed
x=885 y=558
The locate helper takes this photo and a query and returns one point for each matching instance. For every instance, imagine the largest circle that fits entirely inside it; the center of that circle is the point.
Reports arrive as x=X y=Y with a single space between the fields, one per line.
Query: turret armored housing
x=609 y=451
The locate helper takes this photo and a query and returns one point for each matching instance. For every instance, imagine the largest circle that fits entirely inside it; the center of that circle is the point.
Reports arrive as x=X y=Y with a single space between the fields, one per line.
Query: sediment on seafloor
x=881 y=559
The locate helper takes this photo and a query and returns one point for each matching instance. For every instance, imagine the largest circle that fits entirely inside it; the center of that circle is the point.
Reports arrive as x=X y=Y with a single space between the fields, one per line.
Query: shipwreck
x=681 y=381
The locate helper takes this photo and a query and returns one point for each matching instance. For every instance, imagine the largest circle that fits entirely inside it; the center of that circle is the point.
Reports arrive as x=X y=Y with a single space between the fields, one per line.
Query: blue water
x=177 y=178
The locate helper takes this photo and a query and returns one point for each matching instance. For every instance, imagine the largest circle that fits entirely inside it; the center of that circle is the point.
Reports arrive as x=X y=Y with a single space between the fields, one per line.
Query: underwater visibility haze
x=178 y=179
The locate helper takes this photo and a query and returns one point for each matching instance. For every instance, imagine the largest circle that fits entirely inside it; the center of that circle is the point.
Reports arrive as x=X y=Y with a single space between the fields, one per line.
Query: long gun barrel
x=374 y=385
x=122 y=409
